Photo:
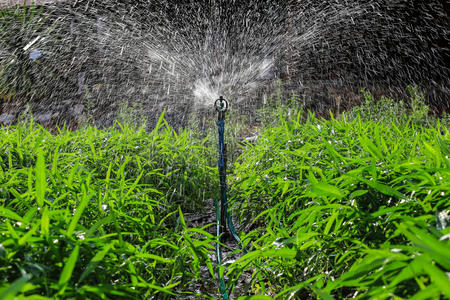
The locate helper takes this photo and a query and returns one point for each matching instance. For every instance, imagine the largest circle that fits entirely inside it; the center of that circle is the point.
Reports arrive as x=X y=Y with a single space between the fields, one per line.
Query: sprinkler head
x=221 y=105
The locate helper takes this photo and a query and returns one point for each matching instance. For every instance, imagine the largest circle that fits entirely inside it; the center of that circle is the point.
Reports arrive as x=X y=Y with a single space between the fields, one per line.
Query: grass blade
x=79 y=211
x=11 y=291
x=95 y=261
x=67 y=271
x=41 y=182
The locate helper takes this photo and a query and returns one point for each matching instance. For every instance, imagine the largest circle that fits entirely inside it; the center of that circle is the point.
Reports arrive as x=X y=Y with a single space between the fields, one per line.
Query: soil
x=207 y=285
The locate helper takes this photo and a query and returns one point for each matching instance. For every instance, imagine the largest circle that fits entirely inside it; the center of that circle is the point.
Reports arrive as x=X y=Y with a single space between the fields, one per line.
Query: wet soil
x=230 y=252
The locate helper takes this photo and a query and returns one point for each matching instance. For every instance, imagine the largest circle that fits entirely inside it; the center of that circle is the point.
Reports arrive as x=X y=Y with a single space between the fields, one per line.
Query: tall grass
x=343 y=208
x=354 y=207
x=98 y=213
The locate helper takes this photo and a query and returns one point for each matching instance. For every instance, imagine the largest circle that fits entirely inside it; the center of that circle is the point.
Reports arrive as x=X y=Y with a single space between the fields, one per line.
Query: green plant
x=384 y=110
x=271 y=111
x=419 y=110
x=131 y=113
x=418 y=269
x=387 y=110
x=26 y=116
x=322 y=193
x=99 y=213
x=335 y=208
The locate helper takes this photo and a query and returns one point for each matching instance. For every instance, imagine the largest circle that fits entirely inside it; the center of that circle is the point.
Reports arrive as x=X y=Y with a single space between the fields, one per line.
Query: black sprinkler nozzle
x=221 y=106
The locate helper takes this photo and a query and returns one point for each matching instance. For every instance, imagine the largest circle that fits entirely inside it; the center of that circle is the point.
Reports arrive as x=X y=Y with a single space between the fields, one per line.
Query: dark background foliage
x=96 y=56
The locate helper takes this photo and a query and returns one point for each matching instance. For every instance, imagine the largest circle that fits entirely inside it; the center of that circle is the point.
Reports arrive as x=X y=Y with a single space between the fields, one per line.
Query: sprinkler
x=221 y=106
x=222 y=215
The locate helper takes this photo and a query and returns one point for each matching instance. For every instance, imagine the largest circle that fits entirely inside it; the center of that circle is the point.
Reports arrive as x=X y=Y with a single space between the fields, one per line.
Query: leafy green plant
x=418 y=269
x=419 y=110
x=321 y=193
x=387 y=110
x=384 y=110
x=132 y=114
x=271 y=111
x=339 y=208
x=95 y=213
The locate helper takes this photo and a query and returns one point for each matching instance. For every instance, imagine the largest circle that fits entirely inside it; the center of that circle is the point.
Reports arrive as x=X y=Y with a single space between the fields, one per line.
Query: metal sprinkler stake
x=221 y=106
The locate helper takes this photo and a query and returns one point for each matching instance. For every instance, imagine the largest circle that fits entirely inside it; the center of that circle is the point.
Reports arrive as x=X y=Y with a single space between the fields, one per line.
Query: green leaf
x=431 y=291
x=285 y=188
x=29 y=234
x=133 y=186
x=159 y=124
x=66 y=273
x=328 y=190
x=435 y=152
x=357 y=193
x=4 y=212
x=437 y=277
x=387 y=190
x=79 y=211
x=45 y=221
x=106 y=220
x=370 y=147
x=11 y=230
x=330 y=222
x=55 y=161
x=181 y=217
x=33 y=297
x=282 y=253
x=155 y=258
x=10 y=292
x=95 y=261
x=413 y=269
x=41 y=180
x=438 y=250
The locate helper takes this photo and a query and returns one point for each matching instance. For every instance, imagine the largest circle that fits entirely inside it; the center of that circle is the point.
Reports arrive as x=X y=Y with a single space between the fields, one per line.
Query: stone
x=7 y=119
x=43 y=118
x=77 y=110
